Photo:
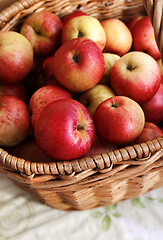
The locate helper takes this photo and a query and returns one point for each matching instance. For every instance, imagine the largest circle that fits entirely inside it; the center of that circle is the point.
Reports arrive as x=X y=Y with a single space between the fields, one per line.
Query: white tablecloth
x=23 y=218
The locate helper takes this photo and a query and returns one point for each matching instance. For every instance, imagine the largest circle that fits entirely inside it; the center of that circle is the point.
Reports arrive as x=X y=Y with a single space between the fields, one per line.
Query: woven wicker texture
x=96 y=180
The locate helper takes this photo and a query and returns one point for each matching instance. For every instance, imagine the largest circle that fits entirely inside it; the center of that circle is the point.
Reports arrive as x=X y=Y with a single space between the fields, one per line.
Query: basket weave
x=98 y=180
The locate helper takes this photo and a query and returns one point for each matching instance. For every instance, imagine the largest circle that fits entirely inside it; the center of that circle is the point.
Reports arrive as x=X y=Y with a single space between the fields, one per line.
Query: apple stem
x=80 y=34
x=130 y=68
x=75 y=59
x=114 y=105
x=80 y=127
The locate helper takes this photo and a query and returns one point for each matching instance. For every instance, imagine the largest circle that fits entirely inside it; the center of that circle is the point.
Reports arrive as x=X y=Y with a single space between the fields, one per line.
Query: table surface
x=23 y=218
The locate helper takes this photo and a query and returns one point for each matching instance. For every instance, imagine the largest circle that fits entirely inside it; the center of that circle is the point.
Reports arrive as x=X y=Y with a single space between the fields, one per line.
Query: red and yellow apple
x=74 y=14
x=118 y=36
x=43 y=96
x=78 y=64
x=119 y=120
x=43 y=30
x=94 y=96
x=87 y=27
x=136 y=75
x=16 y=57
x=14 y=121
x=144 y=39
x=64 y=130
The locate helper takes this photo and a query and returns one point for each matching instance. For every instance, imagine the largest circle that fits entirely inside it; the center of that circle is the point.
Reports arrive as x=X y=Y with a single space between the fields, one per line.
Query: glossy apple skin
x=64 y=130
x=136 y=75
x=153 y=109
x=94 y=96
x=78 y=64
x=43 y=96
x=16 y=89
x=14 y=121
x=150 y=132
x=119 y=120
x=73 y=14
x=118 y=36
x=87 y=27
x=43 y=30
x=16 y=57
x=143 y=38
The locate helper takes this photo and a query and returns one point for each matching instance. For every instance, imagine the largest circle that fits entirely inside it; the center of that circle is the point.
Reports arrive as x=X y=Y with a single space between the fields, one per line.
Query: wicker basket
x=98 y=180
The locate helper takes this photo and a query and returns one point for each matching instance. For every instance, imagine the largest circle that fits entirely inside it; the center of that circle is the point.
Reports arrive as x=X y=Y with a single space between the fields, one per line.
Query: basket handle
x=154 y=9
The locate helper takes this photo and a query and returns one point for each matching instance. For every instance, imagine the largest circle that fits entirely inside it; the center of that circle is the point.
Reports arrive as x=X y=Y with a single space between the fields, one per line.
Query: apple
x=43 y=30
x=99 y=147
x=16 y=57
x=78 y=64
x=144 y=39
x=161 y=68
x=87 y=27
x=136 y=75
x=64 y=130
x=110 y=59
x=94 y=96
x=131 y=23
x=150 y=132
x=118 y=36
x=16 y=89
x=43 y=96
x=29 y=150
x=73 y=14
x=119 y=120
x=153 y=109
x=14 y=121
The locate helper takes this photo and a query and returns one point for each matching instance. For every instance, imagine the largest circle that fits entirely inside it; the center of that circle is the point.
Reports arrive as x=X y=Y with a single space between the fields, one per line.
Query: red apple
x=119 y=120
x=16 y=89
x=118 y=36
x=79 y=64
x=64 y=130
x=131 y=23
x=136 y=75
x=73 y=14
x=43 y=30
x=16 y=57
x=150 y=132
x=153 y=109
x=87 y=27
x=144 y=39
x=43 y=96
x=14 y=121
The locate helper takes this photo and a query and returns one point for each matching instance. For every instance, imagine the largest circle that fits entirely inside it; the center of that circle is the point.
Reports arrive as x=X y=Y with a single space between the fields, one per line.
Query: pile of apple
x=67 y=81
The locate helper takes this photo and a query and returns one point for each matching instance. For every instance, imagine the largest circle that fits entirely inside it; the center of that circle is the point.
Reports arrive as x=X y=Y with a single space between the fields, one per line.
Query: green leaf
x=150 y=198
x=96 y=214
x=111 y=207
x=106 y=221
x=161 y=200
x=117 y=215
x=137 y=202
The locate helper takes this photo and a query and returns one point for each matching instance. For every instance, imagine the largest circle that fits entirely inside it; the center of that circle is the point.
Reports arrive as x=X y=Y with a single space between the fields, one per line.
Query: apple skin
x=136 y=75
x=94 y=96
x=118 y=36
x=16 y=57
x=14 y=121
x=73 y=14
x=119 y=120
x=161 y=68
x=43 y=30
x=110 y=59
x=16 y=89
x=150 y=132
x=131 y=23
x=43 y=96
x=144 y=39
x=87 y=27
x=78 y=64
x=153 y=109
x=64 y=130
